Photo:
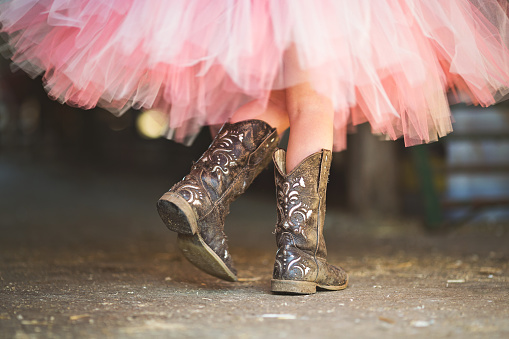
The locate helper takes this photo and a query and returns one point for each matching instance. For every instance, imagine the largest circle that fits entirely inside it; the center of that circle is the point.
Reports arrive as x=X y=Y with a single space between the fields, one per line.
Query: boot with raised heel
x=196 y=206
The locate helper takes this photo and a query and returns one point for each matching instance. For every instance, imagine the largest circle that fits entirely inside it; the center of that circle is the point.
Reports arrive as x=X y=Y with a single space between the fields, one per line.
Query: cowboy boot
x=196 y=206
x=301 y=265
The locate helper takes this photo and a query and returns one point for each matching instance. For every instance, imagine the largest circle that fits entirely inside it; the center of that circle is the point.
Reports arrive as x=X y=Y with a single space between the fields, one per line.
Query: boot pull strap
x=324 y=171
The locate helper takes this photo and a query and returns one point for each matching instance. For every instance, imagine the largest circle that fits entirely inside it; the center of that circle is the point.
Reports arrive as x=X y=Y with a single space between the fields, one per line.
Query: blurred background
x=462 y=178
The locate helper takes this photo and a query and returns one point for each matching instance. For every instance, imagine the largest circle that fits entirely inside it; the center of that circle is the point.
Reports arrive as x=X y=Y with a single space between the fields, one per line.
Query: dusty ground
x=83 y=253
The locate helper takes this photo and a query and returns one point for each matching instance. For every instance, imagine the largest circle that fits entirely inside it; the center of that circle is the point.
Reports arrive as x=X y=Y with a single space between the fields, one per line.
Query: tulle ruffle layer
x=387 y=62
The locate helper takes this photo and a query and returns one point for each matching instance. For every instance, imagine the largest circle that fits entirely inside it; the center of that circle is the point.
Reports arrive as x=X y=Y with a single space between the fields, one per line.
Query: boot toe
x=196 y=250
x=332 y=277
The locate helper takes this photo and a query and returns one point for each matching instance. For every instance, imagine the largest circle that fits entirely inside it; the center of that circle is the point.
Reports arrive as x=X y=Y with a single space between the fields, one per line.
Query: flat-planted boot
x=196 y=206
x=301 y=264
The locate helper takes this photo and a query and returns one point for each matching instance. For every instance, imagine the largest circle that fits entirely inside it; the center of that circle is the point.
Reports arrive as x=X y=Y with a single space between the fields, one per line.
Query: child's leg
x=311 y=116
x=274 y=114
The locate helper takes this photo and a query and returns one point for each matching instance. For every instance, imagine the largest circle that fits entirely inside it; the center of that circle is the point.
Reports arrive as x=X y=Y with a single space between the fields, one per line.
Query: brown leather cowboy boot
x=196 y=206
x=301 y=264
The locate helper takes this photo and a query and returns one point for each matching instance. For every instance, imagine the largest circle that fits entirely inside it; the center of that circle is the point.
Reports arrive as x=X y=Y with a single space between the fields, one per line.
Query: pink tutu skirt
x=392 y=63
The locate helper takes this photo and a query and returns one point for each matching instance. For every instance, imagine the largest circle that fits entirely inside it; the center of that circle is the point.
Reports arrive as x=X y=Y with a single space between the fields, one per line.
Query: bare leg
x=311 y=116
x=274 y=114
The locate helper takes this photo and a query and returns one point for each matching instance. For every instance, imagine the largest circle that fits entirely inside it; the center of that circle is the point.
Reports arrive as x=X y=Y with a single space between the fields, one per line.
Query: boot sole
x=202 y=256
x=179 y=217
x=301 y=287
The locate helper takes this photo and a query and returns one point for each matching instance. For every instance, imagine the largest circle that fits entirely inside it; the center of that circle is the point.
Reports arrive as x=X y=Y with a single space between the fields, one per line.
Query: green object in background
x=425 y=175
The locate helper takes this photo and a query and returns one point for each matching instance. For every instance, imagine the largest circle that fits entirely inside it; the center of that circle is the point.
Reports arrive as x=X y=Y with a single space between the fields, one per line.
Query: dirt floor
x=84 y=254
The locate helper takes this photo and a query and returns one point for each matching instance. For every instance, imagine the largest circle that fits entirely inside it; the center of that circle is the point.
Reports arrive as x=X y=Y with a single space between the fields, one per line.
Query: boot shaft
x=238 y=153
x=301 y=196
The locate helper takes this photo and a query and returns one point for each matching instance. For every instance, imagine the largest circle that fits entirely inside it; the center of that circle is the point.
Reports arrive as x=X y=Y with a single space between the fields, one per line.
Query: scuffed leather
x=238 y=153
x=301 y=194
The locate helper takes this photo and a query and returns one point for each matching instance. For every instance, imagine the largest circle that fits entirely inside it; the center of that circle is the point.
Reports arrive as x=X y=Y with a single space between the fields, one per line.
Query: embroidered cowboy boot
x=301 y=265
x=196 y=206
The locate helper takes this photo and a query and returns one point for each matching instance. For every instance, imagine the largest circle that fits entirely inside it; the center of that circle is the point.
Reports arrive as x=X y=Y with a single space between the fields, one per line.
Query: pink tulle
x=390 y=62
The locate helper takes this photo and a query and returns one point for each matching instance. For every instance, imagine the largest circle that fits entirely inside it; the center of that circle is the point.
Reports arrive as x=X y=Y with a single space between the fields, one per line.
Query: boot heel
x=292 y=286
x=177 y=215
